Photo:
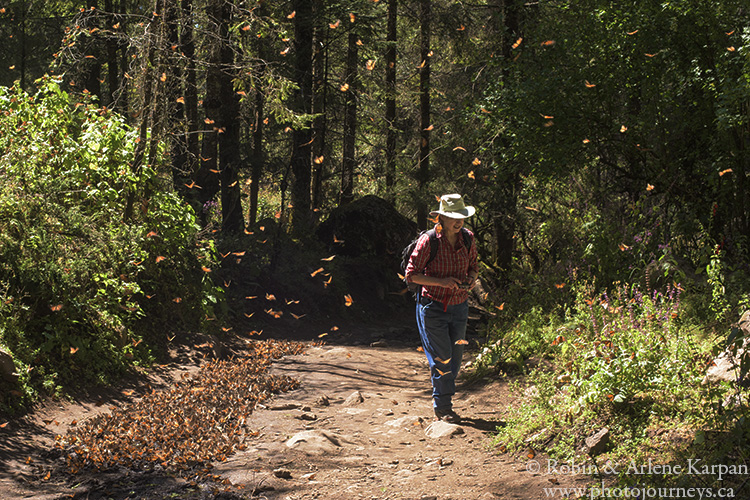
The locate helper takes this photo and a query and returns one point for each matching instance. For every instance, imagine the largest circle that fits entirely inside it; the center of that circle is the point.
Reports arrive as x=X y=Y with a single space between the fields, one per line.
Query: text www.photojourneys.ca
x=638 y=492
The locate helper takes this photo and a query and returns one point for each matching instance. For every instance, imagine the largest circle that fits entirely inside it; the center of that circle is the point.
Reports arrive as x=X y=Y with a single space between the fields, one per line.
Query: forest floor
x=360 y=425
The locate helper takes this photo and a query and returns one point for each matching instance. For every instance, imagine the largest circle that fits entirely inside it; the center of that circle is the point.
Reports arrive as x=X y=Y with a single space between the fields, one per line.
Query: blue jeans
x=440 y=328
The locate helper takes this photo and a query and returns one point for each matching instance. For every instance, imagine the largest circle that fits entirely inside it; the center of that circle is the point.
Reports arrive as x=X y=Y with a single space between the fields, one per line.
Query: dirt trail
x=320 y=441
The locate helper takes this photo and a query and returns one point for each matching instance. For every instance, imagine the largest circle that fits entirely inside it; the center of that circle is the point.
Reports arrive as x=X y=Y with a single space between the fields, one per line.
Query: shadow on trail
x=482 y=424
x=349 y=372
x=19 y=439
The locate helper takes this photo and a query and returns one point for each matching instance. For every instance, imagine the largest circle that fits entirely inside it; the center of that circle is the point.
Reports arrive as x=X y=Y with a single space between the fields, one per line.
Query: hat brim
x=461 y=214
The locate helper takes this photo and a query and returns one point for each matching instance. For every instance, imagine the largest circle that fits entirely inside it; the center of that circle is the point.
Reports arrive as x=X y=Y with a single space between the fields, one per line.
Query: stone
x=353 y=411
x=315 y=442
x=382 y=412
x=440 y=429
x=407 y=422
x=354 y=399
x=310 y=417
x=744 y=323
x=596 y=443
x=535 y=437
x=367 y=226
x=284 y=406
x=7 y=367
x=735 y=401
x=726 y=366
x=531 y=392
x=282 y=473
x=441 y=463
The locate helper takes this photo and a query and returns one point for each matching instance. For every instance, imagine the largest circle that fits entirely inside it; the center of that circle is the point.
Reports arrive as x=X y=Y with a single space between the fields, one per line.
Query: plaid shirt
x=456 y=262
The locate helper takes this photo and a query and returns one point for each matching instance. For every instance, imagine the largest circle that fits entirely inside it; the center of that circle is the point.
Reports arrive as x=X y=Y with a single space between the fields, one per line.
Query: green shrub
x=624 y=360
x=84 y=294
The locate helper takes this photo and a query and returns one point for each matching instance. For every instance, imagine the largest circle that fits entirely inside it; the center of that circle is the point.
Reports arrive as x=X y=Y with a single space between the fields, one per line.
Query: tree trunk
x=390 y=101
x=187 y=43
x=511 y=28
x=159 y=133
x=302 y=104
x=176 y=110
x=320 y=124
x=258 y=155
x=122 y=99
x=740 y=134
x=92 y=66
x=22 y=42
x=113 y=72
x=229 y=131
x=229 y=157
x=207 y=177
x=147 y=84
x=181 y=95
x=506 y=193
x=504 y=221
x=423 y=170
x=350 y=123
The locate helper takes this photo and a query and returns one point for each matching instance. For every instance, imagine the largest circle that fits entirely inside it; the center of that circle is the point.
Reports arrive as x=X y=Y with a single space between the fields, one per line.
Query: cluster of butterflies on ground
x=184 y=428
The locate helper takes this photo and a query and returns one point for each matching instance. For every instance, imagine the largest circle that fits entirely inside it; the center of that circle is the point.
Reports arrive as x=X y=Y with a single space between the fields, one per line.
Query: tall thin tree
x=506 y=193
x=206 y=178
x=423 y=169
x=147 y=86
x=302 y=104
x=228 y=126
x=175 y=100
x=390 y=100
x=320 y=99
x=349 y=162
x=92 y=59
x=258 y=155
x=113 y=72
x=190 y=85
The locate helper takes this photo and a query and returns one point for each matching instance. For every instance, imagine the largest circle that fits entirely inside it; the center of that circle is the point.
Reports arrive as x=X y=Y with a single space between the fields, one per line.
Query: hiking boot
x=449 y=416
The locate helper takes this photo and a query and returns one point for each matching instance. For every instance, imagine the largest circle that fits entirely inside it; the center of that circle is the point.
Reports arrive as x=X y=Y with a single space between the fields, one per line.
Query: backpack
x=406 y=254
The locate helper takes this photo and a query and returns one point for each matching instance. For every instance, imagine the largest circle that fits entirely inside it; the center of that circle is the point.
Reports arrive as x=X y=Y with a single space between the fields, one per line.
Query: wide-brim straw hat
x=452 y=205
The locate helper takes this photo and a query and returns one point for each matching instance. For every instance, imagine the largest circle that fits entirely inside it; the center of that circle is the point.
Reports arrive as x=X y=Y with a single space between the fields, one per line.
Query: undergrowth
x=628 y=360
x=84 y=294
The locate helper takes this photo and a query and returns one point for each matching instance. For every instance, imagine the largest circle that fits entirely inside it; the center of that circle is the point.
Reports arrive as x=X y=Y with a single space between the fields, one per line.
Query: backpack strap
x=467 y=238
x=432 y=235
x=433 y=246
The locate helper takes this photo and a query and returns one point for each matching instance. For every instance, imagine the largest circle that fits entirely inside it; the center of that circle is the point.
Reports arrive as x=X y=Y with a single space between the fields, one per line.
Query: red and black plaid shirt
x=456 y=262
